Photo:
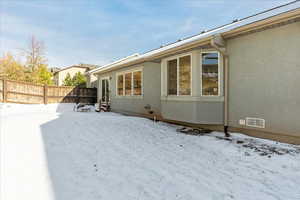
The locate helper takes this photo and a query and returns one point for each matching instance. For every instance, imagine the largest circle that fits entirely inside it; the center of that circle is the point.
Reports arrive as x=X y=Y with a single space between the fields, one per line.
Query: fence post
x=78 y=95
x=45 y=94
x=4 y=90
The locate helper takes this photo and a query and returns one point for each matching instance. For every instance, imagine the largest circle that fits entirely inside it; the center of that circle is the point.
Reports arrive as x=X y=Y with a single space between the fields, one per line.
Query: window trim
x=117 y=89
x=219 y=74
x=177 y=57
x=104 y=78
x=139 y=69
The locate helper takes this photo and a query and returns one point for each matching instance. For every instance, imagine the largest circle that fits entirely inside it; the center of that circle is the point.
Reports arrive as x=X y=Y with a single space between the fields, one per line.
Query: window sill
x=193 y=98
x=130 y=97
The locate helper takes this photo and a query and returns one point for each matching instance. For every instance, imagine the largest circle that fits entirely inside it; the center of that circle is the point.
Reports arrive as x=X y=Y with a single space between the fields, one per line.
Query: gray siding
x=197 y=112
x=196 y=108
x=151 y=90
x=264 y=78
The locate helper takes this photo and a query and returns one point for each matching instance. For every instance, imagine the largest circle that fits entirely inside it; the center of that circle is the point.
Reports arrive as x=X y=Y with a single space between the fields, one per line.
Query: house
x=60 y=75
x=91 y=80
x=243 y=76
x=54 y=69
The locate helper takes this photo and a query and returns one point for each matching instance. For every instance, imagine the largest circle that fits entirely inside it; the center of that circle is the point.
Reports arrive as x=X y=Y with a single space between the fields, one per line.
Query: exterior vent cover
x=255 y=122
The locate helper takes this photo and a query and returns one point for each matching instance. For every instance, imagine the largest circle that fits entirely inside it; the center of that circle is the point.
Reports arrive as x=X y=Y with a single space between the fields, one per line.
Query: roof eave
x=227 y=34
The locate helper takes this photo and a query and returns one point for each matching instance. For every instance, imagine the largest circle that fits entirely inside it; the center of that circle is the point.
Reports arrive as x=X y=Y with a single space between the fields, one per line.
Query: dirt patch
x=261 y=148
x=194 y=131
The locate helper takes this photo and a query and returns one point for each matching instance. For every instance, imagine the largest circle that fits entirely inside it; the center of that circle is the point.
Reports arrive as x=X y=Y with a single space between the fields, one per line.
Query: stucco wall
x=264 y=78
x=198 y=112
x=133 y=104
x=91 y=81
x=195 y=108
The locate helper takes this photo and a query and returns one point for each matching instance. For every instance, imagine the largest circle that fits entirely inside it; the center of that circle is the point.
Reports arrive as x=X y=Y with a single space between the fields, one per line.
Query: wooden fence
x=28 y=93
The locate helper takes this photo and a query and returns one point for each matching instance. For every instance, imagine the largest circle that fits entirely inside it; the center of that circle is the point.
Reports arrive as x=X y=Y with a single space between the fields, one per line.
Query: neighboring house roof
x=54 y=69
x=205 y=35
x=74 y=66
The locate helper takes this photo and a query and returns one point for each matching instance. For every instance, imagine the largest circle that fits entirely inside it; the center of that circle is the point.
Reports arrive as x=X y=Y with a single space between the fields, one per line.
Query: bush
x=77 y=80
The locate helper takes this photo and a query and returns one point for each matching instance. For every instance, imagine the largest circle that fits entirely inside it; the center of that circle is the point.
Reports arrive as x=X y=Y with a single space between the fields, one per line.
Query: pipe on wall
x=219 y=44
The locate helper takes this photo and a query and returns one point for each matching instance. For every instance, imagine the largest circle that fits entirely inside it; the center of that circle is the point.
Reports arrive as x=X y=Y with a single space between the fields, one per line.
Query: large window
x=210 y=74
x=179 y=76
x=137 y=83
x=129 y=83
x=120 y=84
x=172 y=77
x=185 y=75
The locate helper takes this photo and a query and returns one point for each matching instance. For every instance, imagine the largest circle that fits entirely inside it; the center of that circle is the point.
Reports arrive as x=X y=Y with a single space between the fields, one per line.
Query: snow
x=51 y=152
x=223 y=29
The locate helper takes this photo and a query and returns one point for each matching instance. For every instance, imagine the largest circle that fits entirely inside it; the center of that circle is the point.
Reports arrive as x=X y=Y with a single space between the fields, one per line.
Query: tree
x=35 y=70
x=44 y=75
x=77 y=80
x=35 y=54
x=11 y=69
x=68 y=80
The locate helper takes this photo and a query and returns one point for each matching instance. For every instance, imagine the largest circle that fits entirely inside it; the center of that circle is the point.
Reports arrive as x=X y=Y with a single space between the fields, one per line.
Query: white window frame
x=177 y=57
x=117 y=91
x=219 y=74
x=140 y=69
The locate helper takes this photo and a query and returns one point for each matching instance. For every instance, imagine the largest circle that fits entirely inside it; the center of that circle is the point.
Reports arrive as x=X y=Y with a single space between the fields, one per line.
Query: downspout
x=219 y=44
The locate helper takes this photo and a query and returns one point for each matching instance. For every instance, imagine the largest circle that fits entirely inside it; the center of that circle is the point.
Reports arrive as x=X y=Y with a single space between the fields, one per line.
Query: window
x=130 y=83
x=210 y=74
x=179 y=76
x=137 y=83
x=120 y=85
x=172 y=77
x=185 y=75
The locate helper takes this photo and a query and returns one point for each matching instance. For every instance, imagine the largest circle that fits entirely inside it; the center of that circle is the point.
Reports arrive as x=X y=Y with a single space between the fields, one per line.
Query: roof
x=122 y=60
x=289 y=7
x=73 y=66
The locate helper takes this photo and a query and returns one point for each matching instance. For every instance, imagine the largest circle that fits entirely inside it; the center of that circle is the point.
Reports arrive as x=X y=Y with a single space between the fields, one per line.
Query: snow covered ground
x=50 y=152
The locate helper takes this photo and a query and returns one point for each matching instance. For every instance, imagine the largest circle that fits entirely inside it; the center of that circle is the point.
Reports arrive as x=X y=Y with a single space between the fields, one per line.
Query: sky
x=101 y=31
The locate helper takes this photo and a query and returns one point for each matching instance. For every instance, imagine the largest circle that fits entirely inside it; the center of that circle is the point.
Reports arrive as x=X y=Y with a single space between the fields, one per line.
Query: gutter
x=136 y=55
x=259 y=20
x=219 y=44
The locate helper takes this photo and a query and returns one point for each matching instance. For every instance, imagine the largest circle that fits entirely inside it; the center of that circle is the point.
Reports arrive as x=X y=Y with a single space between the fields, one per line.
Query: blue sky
x=98 y=31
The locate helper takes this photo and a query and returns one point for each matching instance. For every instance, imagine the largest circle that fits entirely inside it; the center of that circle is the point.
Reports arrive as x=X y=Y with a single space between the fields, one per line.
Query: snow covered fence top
x=292 y=6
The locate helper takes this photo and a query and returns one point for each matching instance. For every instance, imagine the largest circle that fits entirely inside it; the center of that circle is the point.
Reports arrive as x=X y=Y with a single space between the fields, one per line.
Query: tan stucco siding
x=264 y=78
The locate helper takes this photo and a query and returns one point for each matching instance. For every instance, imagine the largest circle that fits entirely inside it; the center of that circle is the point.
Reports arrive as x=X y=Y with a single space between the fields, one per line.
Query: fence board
x=1 y=90
x=21 y=92
x=24 y=98
x=17 y=87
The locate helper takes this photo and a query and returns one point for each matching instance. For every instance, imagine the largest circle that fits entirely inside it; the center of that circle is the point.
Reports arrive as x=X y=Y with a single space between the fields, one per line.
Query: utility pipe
x=225 y=55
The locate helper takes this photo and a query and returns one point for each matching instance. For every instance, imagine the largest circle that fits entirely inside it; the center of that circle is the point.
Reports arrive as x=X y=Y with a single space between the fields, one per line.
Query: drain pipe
x=219 y=44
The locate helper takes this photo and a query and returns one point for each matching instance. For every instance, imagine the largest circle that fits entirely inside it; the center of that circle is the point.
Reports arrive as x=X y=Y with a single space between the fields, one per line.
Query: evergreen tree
x=68 y=80
x=79 y=79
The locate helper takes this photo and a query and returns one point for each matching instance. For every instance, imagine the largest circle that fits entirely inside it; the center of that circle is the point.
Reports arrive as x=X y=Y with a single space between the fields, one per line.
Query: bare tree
x=35 y=53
